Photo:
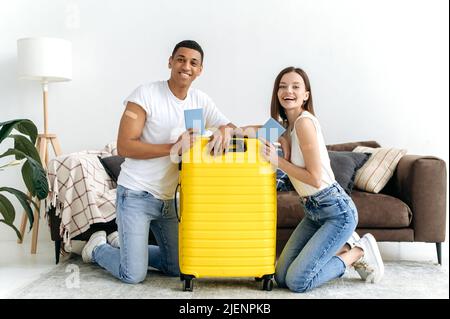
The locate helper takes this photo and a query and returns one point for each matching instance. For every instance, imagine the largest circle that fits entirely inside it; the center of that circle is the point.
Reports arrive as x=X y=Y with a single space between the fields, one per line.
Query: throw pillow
x=345 y=166
x=380 y=167
x=112 y=165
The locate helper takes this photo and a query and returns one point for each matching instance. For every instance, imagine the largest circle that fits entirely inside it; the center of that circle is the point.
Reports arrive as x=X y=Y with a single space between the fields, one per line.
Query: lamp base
x=42 y=146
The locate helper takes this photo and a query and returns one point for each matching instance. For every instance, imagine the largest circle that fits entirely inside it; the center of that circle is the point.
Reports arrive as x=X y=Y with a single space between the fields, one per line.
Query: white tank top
x=327 y=178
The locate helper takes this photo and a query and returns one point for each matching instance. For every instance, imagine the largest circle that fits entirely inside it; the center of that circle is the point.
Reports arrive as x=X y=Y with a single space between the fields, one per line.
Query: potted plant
x=33 y=174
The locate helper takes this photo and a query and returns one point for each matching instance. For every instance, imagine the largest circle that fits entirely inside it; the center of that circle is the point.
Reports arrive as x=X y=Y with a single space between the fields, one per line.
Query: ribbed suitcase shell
x=228 y=213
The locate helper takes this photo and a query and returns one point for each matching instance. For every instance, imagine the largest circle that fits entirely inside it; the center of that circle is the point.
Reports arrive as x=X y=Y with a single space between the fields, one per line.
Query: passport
x=194 y=119
x=271 y=131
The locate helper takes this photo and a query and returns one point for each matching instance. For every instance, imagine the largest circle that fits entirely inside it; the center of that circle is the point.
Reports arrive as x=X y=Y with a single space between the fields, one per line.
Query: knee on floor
x=298 y=284
x=134 y=278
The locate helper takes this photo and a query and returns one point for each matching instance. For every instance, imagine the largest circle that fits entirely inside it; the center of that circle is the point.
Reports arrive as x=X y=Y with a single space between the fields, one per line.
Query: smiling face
x=292 y=93
x=186 y=65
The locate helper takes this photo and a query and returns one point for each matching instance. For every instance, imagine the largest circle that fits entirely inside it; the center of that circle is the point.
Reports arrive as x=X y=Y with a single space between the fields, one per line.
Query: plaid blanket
x=81 y=191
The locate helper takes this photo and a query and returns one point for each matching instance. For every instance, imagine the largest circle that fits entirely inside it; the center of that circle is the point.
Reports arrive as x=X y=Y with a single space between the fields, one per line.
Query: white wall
x=379 y=69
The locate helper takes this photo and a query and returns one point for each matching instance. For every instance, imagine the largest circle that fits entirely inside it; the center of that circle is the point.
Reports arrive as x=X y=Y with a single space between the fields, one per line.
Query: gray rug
x=74 y=279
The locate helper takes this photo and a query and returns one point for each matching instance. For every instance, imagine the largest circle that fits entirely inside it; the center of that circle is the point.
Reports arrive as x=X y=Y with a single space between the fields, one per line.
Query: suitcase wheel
x=188 y=284
x=267 y=284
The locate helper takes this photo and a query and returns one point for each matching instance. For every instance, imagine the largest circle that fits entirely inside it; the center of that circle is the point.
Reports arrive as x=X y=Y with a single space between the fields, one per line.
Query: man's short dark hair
x=190 y=44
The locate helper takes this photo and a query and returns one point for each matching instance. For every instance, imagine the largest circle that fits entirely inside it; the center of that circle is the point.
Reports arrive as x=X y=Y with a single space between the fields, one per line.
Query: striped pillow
x=378 y=169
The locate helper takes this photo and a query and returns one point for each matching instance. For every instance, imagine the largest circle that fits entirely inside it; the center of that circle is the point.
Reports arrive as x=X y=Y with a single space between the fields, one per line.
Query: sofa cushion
x=379 y=168
x=345 y=165
x=290 y=212
x=374 y=210
x=112 y=165
x=381 y=211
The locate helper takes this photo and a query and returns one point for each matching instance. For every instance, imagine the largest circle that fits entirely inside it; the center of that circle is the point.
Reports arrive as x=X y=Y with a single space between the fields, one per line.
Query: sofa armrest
x=421 y=182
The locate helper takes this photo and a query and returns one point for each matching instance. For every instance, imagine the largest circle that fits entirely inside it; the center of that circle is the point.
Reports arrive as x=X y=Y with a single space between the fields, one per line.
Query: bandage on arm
x=131 y=114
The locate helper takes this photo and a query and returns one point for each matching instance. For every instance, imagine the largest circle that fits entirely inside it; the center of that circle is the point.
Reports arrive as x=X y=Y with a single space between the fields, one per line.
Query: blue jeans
x=309 y=257
x=136 y=213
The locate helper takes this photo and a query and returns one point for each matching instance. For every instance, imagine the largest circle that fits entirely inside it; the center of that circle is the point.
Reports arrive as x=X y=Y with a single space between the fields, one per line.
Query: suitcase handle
x=238 y=145
x=175 y=202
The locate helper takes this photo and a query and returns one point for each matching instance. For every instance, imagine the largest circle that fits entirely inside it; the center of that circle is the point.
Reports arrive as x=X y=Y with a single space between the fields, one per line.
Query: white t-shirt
x=327 y=178
x=164 y=124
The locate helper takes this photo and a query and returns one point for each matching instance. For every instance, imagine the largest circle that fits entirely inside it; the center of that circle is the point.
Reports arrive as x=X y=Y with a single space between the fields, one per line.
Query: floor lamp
x=45 y=60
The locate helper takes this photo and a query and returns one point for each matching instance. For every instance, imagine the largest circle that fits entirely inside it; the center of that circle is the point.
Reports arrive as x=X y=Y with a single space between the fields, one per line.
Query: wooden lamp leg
x=56 y=146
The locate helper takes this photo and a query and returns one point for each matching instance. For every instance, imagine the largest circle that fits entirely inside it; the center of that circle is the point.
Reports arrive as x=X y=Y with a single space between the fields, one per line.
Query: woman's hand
x=286 y=147
x=269 y=152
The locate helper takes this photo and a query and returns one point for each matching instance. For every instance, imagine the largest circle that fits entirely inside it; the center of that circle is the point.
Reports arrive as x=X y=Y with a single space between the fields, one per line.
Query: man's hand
x=220 y=141
x=184 y=142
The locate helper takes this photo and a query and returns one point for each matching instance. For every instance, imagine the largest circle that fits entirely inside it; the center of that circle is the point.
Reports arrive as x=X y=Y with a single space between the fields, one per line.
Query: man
x=151 y=130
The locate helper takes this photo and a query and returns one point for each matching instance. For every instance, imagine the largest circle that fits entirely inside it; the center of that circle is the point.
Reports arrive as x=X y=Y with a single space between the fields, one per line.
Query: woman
x=313 y=254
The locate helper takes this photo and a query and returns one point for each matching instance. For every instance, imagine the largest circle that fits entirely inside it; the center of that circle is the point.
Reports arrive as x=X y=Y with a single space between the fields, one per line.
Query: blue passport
x=271 y=131
x=194 y=119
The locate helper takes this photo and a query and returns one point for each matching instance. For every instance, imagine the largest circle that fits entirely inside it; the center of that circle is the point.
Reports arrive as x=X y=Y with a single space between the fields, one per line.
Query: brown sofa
x=411 y=208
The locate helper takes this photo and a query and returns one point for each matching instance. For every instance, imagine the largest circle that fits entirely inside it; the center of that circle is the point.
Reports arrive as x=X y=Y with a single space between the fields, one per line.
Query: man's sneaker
x=370 y=266
x=354 y=238
x=97 y=239
x=113 y=239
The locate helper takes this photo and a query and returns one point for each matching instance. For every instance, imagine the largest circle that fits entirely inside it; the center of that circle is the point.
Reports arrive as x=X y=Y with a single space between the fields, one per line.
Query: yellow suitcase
x=228 y=210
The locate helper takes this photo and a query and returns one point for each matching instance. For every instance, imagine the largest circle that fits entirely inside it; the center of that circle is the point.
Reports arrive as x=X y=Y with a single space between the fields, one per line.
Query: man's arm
x=129 y=142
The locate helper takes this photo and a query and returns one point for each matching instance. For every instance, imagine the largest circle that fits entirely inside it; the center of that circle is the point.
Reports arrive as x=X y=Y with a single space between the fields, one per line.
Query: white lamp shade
x=44 y=59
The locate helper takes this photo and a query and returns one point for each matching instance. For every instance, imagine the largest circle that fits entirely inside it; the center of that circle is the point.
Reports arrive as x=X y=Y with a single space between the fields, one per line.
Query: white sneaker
x=113 y=239
x=370 y=266
x=97 y=239
x=354 y=238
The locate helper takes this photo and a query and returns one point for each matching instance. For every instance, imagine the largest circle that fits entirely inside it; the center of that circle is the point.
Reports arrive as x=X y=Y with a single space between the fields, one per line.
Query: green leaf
x=21 y=143
x=6 y=128
x=35 y=177
x=28 y=128
x=13 y=227
x=7 y=209
x=27 y=176
x=39 y=179
x=33 y=173
x=24 y=126
x=23 y=199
